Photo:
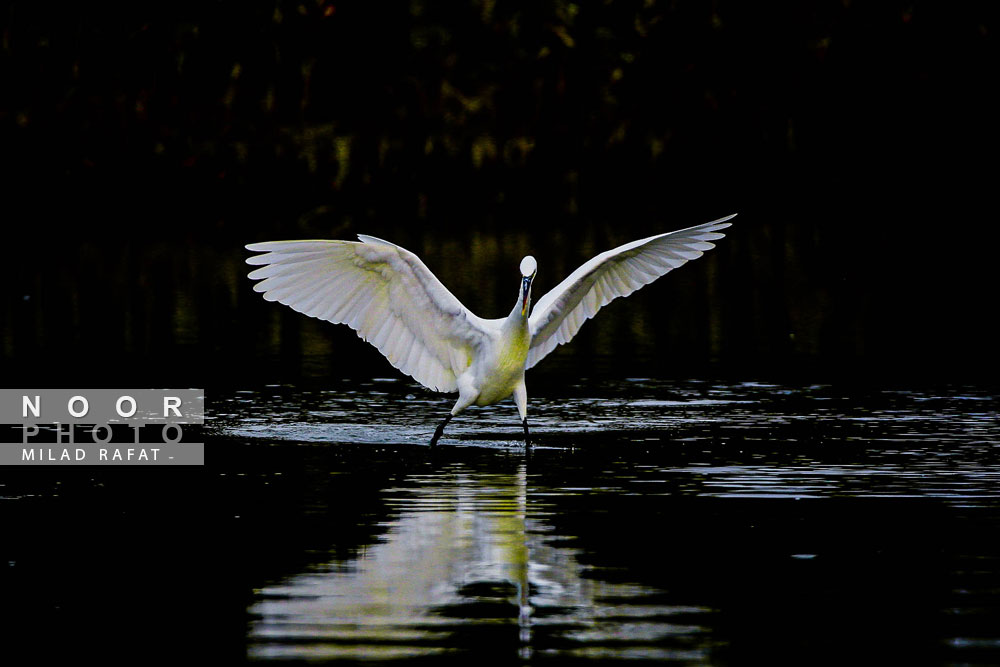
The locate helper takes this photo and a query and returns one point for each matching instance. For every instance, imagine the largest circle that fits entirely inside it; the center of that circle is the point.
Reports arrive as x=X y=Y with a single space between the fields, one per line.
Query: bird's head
x=528 y=269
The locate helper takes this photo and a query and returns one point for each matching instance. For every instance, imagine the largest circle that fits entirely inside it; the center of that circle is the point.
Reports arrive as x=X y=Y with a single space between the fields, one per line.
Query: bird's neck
x=516 y=320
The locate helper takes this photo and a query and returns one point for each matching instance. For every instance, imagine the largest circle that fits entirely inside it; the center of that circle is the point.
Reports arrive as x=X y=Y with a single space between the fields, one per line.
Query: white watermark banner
x=101 y=426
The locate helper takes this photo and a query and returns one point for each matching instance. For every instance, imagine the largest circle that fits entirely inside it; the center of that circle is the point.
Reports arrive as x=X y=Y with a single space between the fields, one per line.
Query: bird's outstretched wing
x=382 y=291
x=559 y=314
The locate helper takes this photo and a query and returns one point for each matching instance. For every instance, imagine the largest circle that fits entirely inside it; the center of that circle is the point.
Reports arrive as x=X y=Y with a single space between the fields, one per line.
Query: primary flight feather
x=386 y=294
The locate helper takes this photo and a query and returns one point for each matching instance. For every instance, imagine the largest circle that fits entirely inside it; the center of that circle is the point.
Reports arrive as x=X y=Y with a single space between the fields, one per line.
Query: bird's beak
x=525 y=290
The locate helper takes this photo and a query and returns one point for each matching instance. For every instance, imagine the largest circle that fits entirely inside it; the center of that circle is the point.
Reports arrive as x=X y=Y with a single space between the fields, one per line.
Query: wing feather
x=560 y=313
x=383 y=292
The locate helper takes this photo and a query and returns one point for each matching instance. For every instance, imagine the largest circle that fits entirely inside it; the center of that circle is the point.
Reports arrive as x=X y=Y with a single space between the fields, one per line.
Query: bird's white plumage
x=558 y=315
x=386 y=294
x=382 y=291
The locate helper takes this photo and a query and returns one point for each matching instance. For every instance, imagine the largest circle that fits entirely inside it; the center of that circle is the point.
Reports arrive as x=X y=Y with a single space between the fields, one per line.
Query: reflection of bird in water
x=394 y=302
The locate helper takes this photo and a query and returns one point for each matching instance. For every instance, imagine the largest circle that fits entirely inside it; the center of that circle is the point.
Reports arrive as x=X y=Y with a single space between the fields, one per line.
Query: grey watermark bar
x=102 y=406
x=132 y=454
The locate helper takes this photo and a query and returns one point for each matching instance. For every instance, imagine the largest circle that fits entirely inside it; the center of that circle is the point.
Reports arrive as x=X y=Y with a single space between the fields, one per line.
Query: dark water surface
x=682 y=521
x=690 y=521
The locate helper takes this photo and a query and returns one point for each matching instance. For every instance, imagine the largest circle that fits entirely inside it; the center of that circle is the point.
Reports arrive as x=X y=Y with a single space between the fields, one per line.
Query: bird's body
x=386 y=294
x=498 y=371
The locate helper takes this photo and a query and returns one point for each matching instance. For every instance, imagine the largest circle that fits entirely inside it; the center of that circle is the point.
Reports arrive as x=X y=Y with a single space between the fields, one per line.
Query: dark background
x=142 y=148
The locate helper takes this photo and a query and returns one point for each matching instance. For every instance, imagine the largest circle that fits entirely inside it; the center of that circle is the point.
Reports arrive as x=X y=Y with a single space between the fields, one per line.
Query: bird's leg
x=467 y=393
x=440 y=429
x=521 y=400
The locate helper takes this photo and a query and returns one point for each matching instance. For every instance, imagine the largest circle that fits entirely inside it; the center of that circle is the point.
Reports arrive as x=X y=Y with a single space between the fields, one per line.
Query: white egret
x=393 y=301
